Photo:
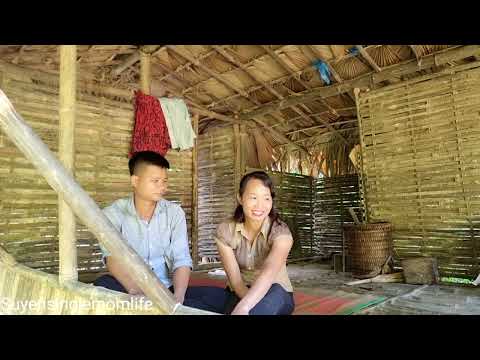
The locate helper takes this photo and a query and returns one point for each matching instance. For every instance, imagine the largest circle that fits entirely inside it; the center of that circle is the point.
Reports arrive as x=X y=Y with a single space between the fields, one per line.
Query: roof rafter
x=240 y=91
x=254 y=77
x=367 y=57
x=134 y=58
x=366 y=80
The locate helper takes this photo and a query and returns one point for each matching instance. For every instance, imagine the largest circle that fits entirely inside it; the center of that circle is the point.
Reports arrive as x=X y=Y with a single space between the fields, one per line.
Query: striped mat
x=324 y=302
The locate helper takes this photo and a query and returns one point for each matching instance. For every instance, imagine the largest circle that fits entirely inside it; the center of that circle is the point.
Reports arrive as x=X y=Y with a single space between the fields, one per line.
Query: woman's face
x=256 y=201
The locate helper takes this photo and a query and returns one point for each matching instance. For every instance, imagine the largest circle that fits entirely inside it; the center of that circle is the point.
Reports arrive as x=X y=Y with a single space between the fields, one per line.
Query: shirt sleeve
x=180 y=252
x=223 y=235
x=280 y=231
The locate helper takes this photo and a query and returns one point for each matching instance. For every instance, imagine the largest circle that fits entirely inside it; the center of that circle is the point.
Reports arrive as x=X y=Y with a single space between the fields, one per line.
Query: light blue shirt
x=162 y=242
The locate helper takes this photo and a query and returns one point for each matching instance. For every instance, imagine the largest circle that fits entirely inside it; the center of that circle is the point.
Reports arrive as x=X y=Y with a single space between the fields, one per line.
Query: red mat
x=327 y=303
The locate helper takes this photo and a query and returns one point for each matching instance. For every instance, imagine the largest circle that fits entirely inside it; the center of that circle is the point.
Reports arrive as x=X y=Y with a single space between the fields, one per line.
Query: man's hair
x=147 y=158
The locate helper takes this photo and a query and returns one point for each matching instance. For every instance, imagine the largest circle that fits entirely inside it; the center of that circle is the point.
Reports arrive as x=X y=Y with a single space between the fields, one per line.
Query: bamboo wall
x=216 y=187
x=332 y=198
x=421 y=167
x=28 y=206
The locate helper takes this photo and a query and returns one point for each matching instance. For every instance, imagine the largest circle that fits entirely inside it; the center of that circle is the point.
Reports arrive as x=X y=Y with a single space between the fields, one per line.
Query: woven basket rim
x=369 y=226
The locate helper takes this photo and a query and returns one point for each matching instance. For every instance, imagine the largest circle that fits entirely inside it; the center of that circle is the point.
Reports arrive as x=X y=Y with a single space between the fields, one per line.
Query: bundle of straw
x=264 y=150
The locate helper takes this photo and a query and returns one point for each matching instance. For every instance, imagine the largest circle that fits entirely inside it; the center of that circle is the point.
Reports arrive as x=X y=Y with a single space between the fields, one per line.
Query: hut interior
x=349 y=134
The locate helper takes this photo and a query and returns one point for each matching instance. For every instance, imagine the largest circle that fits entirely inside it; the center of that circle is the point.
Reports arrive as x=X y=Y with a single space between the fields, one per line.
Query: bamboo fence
x=421 y=168
x=216 y=187
x=332 y=198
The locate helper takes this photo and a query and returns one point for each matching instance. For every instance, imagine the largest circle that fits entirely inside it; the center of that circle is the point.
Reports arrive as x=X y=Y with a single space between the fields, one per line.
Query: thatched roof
x=275 y=87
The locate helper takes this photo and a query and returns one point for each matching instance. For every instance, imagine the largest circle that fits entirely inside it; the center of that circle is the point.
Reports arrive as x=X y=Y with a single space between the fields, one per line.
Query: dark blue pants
x=109 y=282
x=277 y=301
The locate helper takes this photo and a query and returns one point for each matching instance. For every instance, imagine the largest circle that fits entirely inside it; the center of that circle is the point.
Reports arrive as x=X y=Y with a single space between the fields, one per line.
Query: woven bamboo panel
x=293 y=200
x=28 y=206
x=421 y=166
x=216 y=187
x=332 y=198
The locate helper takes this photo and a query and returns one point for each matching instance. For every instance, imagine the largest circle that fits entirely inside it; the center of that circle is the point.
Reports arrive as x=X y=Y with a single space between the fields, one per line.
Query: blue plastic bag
x=324 y=71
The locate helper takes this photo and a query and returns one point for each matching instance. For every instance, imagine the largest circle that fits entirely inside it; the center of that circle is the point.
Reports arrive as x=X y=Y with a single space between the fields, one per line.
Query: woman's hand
x=240 y=309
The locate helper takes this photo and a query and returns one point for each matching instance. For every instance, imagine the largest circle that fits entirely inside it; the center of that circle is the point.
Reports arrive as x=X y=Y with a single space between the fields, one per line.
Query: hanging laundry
x=151 y=131
x=178 y=122
x=323 y=69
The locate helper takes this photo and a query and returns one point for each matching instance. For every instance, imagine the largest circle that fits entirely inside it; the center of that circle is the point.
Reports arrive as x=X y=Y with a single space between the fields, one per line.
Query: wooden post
x=66 y=153
x=145 y=72
x=243 y=155
x=82 y=204
x=195 y=195
x=237 y=155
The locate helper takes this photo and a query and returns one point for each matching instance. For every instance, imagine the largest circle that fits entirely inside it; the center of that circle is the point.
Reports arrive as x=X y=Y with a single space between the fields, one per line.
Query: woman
x=253 y=246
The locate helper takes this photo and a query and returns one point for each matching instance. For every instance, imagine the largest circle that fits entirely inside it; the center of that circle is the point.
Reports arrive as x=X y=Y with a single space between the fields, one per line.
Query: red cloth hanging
x=150 y=132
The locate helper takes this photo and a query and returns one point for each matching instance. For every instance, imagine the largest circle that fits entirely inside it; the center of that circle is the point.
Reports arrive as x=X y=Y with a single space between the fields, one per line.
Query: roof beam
x=196 y=108
x=134 y=58
x=212 y=73
x=222 y=80
x=367 y=57
x=316 y=54
x=287 y=68
x=367 y=80
x=254 y=77
x=322 y=126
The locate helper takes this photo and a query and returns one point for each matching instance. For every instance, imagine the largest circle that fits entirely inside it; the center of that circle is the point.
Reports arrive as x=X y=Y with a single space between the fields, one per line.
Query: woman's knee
x=277 y=301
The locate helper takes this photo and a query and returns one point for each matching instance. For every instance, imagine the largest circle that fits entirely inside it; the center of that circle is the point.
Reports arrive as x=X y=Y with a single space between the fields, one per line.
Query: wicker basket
x=369 y=246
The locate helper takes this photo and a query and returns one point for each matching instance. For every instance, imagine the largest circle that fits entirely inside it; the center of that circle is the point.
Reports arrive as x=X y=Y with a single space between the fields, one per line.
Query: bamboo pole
x=134 y=58
x=237 y=154
x=66 y=153
x=145 y=72
x=195 y=194
x=82 y=204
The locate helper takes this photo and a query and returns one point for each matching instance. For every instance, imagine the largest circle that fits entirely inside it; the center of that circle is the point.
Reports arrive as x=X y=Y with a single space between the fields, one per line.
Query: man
x=154 y=227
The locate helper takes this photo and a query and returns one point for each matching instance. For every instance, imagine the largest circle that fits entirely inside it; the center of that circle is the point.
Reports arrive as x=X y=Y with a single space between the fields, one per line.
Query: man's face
x=150 y=183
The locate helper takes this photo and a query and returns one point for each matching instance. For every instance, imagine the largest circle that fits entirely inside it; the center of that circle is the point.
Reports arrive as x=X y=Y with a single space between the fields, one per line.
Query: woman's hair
x=238 y=215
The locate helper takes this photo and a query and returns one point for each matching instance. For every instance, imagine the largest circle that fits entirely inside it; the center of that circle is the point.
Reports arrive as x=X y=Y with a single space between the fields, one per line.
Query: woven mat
x=324 y=302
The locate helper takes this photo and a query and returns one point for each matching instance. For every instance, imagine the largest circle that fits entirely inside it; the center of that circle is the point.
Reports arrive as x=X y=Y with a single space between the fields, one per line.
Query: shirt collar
x=159 y=207
x=239 y=227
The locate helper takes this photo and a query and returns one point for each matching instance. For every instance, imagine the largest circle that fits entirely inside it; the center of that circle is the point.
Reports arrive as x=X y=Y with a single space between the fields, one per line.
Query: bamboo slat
x=420 y=165
x=332 y=198
x=216 y=187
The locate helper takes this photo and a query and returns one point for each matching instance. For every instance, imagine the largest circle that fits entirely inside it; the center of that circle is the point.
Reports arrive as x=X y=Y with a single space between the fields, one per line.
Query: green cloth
x=178 y=123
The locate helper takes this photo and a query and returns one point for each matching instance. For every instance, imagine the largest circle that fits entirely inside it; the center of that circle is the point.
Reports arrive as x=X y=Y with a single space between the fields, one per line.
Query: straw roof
x=275 y=87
